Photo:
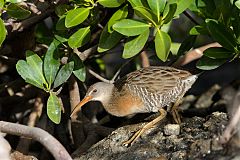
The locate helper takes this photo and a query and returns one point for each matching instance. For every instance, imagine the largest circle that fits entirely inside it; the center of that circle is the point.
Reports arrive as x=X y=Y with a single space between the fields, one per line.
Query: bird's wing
x=153 y=79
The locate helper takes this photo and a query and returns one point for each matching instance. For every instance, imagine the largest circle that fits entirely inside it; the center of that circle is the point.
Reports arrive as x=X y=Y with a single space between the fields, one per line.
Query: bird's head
x=100 y=91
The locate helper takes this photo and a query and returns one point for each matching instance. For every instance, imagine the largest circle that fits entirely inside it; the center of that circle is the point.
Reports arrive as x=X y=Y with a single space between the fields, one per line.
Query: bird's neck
x=106 y=99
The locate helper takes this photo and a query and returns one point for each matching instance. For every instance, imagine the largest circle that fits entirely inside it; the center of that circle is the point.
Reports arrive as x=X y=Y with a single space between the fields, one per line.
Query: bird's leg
x=162 y=115
x=174 y=111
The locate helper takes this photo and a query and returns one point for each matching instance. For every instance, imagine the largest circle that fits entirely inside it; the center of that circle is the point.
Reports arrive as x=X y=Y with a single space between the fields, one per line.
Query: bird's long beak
x=80 y=104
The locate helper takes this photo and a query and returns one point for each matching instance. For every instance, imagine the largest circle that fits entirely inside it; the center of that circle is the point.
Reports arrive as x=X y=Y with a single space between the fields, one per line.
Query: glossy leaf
x=31 y=69
x=171 y=12
x=79 y=38
x=36 y=63
x=27 y=73
x=79 y=69
x=130 y=27
x=51 y=62
x=54 y=108
x=76 y=16
x=118 y=15
x=182 y=5
x=206 y=63
x=63 y=74
x=135 y=45
x=108 y=40
x=146 y=14
x=135 y=3
x=218 y=52
x=17 y=11
x=221 y=34
x=111 y=3
x=157 y=6
x=3 y=32
x=162 y=45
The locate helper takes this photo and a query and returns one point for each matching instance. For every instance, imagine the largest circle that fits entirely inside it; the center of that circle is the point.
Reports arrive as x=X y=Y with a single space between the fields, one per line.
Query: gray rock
x=172 y=129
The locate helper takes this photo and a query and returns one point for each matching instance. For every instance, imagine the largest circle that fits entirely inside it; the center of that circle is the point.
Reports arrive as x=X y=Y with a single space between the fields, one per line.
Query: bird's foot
x=144 y=128
x=132 y=139
x=176 y=116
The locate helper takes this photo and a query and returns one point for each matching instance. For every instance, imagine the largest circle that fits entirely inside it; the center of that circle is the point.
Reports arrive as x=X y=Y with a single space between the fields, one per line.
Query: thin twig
x=47 y=140
x=98 y=76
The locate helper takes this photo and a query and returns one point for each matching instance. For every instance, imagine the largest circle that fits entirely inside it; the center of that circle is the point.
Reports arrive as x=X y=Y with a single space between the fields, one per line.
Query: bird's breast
x=125 y=104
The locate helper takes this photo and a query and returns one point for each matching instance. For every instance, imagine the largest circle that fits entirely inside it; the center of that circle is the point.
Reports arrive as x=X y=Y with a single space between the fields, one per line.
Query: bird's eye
x=95 y=90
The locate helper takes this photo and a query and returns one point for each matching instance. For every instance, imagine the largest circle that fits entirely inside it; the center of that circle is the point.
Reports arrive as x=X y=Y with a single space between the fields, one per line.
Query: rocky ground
x=198 y=139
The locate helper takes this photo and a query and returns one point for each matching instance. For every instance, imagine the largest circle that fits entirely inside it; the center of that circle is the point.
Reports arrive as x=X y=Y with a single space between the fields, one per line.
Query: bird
x=146 y=90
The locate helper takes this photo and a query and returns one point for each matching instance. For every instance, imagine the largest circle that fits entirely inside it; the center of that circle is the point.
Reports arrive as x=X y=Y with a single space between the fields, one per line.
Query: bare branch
x=85 y=54
x=144 y=58
x=194 y=54
x=98 y=76
x=47 y=140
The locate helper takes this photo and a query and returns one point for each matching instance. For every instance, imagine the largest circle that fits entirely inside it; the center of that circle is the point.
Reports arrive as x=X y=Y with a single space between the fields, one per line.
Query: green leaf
x=76 y=16
x=111 y=3
x=27 y=73
x=218 y=53
x=130 y=27
x=60 y=38
x=108 y=40
x=51 y=62
x=17 y=11
x=63 y=74
x=162 y=45
x=206 y=63
x=186 y=45
x=237 y=4
x=79 y=69
x=157 y=7
x=182 y=5
x=1 y=4
x=222 y=34
x=197 y=30
x=54 y=108
x=79 y=38
x=134 y=46
x=135 y=3
x=3 y=32
x=31 y=70
x=36 y=64
x=171 y=12
x=146 y=14
x=118 y=15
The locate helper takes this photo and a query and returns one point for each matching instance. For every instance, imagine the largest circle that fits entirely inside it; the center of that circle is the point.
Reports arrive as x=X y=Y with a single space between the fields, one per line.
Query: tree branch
x=47 y=140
